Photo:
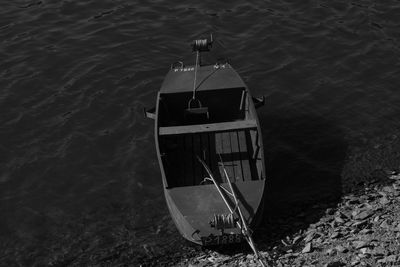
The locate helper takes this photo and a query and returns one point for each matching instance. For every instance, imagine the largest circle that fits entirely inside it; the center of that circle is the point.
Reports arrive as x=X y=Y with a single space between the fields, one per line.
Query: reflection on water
x=79 y=180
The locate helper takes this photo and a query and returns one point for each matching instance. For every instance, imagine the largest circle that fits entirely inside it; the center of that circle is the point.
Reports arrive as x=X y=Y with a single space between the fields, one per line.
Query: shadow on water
x=304 y=156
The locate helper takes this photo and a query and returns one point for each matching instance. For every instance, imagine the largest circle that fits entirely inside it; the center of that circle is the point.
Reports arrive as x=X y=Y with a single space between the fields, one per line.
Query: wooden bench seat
x=210 y=127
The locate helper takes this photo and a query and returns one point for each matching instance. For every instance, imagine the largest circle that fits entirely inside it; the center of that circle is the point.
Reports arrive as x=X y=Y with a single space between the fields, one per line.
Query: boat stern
x=202 y=216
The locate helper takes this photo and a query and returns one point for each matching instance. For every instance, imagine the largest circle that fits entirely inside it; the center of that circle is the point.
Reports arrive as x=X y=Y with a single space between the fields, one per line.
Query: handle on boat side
x=259 y=101
x=149 y=113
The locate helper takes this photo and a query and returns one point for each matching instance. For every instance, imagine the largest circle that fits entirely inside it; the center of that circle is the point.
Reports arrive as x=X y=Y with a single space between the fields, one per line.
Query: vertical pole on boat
x=243 y=225
x=245 y=229
x=216 y=184
x=195 y=75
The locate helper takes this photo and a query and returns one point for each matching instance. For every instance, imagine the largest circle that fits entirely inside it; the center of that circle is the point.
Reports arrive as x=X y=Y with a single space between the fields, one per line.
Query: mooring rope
x=223 y=221
x=202 y=45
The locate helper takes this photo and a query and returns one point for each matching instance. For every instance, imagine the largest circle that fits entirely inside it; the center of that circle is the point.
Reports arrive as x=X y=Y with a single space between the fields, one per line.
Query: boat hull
x=193 y=208
x=227 y=144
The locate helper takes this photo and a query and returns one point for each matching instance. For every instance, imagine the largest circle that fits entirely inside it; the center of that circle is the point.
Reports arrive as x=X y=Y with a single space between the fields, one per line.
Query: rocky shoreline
x=363 y=229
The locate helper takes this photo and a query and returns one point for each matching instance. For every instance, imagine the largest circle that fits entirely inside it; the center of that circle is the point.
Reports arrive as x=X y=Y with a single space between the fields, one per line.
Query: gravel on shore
x=363 y=229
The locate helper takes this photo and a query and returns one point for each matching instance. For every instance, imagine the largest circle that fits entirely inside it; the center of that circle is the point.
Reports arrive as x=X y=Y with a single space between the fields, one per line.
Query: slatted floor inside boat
x=235 y=148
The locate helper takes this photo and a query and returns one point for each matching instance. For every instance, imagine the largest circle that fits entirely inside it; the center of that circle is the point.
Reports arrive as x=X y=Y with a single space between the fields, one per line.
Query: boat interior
x=222 y=105
x=221 y=130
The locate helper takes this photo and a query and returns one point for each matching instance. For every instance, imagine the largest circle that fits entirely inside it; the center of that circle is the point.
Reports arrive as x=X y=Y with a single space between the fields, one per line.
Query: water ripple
x=77 y=154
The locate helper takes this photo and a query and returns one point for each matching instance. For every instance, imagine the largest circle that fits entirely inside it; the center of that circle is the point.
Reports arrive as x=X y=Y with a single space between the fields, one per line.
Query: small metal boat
x=210 y=151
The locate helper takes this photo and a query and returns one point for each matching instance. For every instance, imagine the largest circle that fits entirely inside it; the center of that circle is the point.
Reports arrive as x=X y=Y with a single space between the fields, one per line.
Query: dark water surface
x=79 y=180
